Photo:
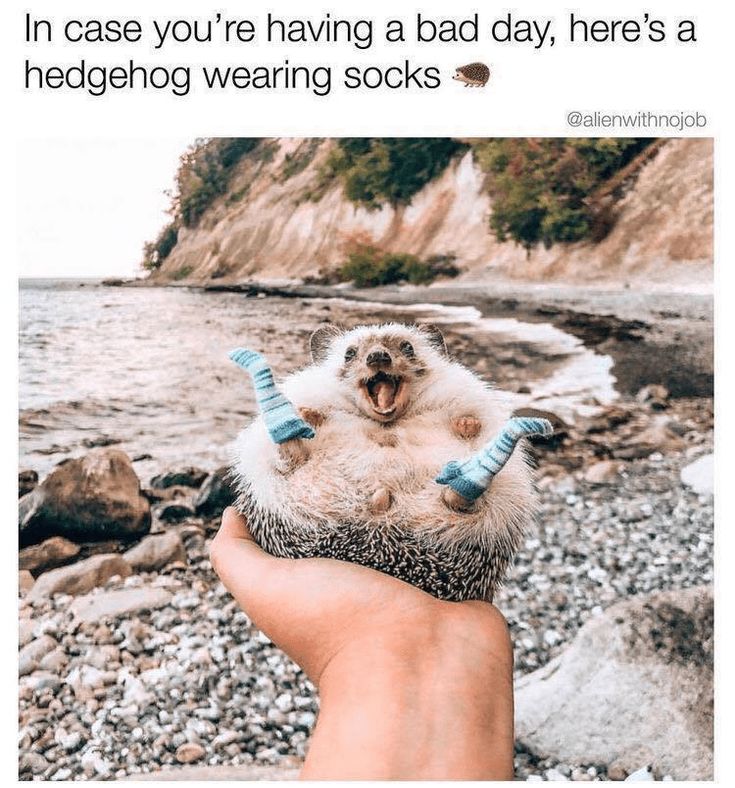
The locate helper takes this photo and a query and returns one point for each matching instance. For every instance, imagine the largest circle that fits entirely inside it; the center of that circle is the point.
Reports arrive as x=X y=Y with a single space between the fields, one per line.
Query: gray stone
x=186 y=477
x=81 y=577
x=29 y=656
x=173 y=512
x=26 y=626
x=640 y=673
x=217 y=493
x=154 y=552
x=110 y=604
x=27 y=481
x=90 y=498
x=700 y=475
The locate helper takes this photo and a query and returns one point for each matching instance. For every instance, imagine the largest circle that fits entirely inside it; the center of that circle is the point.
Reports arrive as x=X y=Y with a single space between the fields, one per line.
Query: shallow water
x=146 y=369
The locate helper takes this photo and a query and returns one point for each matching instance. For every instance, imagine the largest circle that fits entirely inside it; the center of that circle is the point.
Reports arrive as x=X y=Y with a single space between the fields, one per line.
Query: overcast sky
x=85 y=208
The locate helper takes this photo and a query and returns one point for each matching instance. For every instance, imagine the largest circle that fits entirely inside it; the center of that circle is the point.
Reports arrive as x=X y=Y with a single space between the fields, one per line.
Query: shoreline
x=664 y=337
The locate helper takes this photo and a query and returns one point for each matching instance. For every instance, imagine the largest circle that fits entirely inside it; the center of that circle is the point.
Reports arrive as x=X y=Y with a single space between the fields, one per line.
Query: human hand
x=411 y=687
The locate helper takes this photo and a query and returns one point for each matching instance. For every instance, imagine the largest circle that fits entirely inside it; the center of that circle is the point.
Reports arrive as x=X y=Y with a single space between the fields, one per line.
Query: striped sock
x=471 y=478
x=280 y=416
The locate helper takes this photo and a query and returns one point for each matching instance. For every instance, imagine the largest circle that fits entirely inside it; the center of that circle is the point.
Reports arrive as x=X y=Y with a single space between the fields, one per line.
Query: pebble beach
x=154 y=666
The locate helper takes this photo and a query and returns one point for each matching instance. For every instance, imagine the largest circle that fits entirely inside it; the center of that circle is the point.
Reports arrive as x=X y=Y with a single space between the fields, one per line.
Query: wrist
x=427 y=701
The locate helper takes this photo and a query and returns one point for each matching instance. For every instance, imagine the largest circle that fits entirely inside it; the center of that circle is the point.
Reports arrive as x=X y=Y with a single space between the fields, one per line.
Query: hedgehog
x=387 y=453
x=473 y=74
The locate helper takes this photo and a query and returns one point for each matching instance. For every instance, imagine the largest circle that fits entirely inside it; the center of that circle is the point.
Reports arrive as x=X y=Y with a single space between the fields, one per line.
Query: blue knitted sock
x=280 y=416
x=472 y=477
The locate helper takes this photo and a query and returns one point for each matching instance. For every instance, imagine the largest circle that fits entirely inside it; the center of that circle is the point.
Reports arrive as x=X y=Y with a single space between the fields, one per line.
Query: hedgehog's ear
x=435 y=337
x=322 y=338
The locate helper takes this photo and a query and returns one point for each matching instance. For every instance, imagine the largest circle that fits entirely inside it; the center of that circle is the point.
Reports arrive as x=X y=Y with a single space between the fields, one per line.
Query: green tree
x=542 y=188
x=390 y=170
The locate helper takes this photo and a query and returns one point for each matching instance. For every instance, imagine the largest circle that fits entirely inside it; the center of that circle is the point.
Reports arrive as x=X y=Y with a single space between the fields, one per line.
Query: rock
x=616 y=772
x=217 y=493
x=605 y=472
x=640 y=672
x=54 y=661
x=188 y=477
x=26 y=627
x=190 y=752
x=174 y=512
x=644 y=774
x=654 y=438
x=654 y=395
x=611 y=417
x=25 y=581
x=49 y=554
x=33 y=763
x=154 y=552
x=206 y=773
x=91 y=498
x=31 y=655
x=700 y=475
x=27 y=481
x=80 y=577
x=109 y=604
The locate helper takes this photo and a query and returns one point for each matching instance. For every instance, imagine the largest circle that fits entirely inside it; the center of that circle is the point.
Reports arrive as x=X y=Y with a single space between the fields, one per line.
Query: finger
x=234 y=526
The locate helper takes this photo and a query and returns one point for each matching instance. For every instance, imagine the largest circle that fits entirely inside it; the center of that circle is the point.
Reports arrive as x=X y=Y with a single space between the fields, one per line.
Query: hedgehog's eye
x=407 y=349
x=350 y=353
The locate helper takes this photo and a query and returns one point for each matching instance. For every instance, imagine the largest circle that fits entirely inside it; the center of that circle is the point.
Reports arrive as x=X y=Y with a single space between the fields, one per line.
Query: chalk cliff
x=278 y=220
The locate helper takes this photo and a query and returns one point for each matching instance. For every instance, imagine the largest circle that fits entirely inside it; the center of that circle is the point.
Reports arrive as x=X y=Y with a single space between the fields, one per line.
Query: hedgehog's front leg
x=467 y=481
x=285 y=426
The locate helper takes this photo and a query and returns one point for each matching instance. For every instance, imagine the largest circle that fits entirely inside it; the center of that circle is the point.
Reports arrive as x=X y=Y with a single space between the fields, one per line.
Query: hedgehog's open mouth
x=382 y=390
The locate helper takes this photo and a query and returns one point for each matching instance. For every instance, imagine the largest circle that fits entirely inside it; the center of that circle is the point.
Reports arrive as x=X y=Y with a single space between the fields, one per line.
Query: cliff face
x=277 y=222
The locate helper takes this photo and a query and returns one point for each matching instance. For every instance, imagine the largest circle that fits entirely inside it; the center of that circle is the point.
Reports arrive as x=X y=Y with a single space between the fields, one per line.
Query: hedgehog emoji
x=474 y=74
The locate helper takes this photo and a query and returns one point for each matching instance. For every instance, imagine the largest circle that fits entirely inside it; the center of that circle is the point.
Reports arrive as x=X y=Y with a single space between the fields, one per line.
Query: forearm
x=434 y=707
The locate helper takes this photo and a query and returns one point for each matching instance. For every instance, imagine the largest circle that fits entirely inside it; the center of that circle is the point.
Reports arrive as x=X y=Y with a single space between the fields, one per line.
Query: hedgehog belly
x=455 y=573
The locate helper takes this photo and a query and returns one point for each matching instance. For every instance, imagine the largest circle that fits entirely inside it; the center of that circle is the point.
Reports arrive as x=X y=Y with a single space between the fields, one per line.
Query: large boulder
x=50 y=553
x=90 y=498
x=80 y=577
x=155 y=551
x=636 y=682
x=216 y=494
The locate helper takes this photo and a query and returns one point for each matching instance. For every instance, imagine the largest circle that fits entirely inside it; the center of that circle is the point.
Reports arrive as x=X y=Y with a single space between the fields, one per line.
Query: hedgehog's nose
x=378 y=358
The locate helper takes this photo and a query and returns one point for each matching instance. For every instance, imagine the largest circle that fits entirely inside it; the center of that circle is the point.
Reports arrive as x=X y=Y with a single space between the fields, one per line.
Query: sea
x=145 y=369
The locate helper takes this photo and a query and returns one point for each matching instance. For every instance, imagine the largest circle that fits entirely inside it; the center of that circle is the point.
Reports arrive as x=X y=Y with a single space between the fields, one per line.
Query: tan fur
x=467 y=427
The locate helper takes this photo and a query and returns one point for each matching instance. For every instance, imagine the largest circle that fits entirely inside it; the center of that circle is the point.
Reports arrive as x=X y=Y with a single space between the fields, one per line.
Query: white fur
x=346 y=465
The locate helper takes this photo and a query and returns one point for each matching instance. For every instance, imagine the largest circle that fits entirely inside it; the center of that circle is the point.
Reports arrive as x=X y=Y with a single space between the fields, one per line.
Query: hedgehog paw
x=466 y=427
x=456 y=502
x=312 y=416
x=292 y=454
x=380 y=501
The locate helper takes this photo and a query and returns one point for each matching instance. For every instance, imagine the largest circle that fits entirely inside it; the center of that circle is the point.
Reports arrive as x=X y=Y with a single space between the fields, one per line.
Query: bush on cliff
x=368 y=266
x=543 y=189
x=390 y=170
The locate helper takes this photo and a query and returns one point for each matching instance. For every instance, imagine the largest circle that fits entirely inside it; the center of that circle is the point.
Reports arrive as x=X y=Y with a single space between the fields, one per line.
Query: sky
x=86 y=207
